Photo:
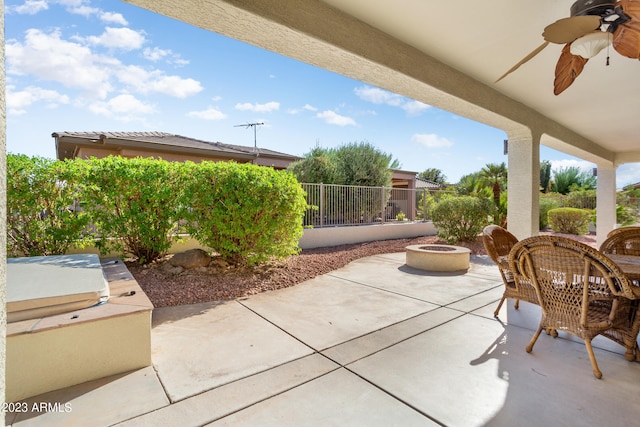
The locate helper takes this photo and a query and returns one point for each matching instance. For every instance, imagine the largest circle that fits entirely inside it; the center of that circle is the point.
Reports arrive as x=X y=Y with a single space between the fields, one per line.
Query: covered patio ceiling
x=449 y=55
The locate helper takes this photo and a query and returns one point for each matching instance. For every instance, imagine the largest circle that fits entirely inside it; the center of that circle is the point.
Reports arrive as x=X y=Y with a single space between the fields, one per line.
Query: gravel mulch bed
x=218 y=282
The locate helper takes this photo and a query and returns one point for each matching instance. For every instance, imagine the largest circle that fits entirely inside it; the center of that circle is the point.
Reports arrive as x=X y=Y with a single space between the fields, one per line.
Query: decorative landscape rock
x=193 y=258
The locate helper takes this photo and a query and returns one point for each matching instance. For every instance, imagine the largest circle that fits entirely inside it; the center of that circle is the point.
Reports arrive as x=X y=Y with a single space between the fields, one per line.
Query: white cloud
x=140 y=80
x=210 y=113
x=258 y=108
x=306 y=107
x=77 y=7
x=378 y=96
x=18 y=101
x=72 y=3
x=29 y=7
x=124 y=107
x=127 y=103
x=83 y=10
x=174 y=86
x=49 y=58
x=155 y=54
x=628 y=173
x=583 y=165
x=431 y=140
x=414 y=108
x=333 y=118
x=119 y=38
x=113 y=18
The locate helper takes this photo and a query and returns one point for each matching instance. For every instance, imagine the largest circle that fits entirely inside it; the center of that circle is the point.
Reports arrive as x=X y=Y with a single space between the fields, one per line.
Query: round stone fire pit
x=437 y=257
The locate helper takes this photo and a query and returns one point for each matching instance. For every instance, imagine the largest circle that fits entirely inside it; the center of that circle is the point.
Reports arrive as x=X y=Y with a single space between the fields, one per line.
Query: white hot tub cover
x=46 y=285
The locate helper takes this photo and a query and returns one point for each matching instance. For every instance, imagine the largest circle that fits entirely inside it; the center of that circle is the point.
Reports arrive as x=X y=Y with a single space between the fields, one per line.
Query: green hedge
x=461 y=218
x=133 y=203
x=247 y=213
x=42 y=210
x=546 y=204
x=570 y=220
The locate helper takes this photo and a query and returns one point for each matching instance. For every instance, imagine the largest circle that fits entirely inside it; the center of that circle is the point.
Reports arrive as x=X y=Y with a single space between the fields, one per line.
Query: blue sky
x=82 y=65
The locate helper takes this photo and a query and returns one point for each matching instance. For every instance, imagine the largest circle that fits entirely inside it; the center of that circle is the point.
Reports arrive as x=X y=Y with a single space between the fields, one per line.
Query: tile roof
x=168 y=139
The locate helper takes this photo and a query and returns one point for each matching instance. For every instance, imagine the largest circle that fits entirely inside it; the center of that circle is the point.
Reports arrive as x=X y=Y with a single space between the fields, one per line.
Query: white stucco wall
x=333 y=236
x=3 y=216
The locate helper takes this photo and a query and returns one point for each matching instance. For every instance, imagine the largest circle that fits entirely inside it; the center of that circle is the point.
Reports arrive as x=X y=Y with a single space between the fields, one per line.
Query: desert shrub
x=133 y=204
x=246 y=213
x=626 y=214
x=42 y=210
x=546 y=204
x=581 y=199
x=627 y=207
x=461 y=218
x=569 y=220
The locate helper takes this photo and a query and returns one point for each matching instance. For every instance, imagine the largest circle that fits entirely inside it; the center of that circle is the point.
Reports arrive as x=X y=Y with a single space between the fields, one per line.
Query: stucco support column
x=606 y=201
x=523 y=187
x=3 y=222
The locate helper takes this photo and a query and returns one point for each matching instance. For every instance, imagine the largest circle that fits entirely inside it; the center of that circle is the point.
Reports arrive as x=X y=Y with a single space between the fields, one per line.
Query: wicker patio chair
x=622 y=241
x=619 y=229
x=498 y=243
x=580 y=290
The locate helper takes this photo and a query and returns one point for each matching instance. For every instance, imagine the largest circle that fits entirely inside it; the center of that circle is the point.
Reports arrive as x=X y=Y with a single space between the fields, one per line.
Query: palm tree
x=495 y=176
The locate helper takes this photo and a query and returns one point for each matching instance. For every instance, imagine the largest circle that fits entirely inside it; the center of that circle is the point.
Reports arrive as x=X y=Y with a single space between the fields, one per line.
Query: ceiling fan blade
x=568 y=68
x=626 y=38
x=524 y=60
x=567 y=30
x=630 y=8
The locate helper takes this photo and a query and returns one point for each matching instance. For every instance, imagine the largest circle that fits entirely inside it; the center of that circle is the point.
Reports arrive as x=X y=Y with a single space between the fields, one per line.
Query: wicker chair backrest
x=498 y=242
x=567 y=272
x=625 y=241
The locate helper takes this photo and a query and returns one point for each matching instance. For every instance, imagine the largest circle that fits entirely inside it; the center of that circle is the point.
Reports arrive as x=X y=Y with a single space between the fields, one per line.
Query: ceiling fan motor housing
x=591 y=7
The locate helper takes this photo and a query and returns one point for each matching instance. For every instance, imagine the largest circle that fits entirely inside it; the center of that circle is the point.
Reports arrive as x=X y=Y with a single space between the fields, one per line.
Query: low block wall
x=323 y=237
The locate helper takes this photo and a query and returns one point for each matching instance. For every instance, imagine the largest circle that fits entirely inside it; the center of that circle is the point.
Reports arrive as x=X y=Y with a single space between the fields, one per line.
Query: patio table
x=630 y=265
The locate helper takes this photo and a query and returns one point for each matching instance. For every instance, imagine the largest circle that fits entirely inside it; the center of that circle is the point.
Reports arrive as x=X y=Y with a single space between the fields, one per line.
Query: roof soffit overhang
x=313 y=32
x=150 y=146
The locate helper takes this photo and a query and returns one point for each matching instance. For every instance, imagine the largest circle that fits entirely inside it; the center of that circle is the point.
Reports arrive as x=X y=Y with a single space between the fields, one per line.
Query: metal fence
x=334 y=205
x=338 y=205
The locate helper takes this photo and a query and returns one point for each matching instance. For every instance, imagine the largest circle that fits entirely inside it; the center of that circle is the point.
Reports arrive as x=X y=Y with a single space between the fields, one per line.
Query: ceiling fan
x=592 y=26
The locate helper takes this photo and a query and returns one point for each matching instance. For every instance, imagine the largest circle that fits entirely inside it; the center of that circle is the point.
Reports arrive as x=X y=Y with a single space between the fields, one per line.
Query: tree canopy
x=433 y=175
x=495 y=176
x=356 y=163
x=572 y=178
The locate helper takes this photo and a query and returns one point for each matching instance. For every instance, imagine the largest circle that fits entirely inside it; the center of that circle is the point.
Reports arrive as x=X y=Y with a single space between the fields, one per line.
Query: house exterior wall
x=3 y=223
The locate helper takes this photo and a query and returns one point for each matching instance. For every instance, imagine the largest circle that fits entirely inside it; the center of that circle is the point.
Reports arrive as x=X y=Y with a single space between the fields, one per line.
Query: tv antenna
x=254 y=126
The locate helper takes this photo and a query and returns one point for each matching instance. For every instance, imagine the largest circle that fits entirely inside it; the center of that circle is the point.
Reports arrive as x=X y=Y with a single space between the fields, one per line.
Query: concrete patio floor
x=375 y=343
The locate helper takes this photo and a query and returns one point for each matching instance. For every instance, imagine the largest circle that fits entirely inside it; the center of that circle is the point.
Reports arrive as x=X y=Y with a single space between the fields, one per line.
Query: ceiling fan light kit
x=591 y=44
x=592 y=26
